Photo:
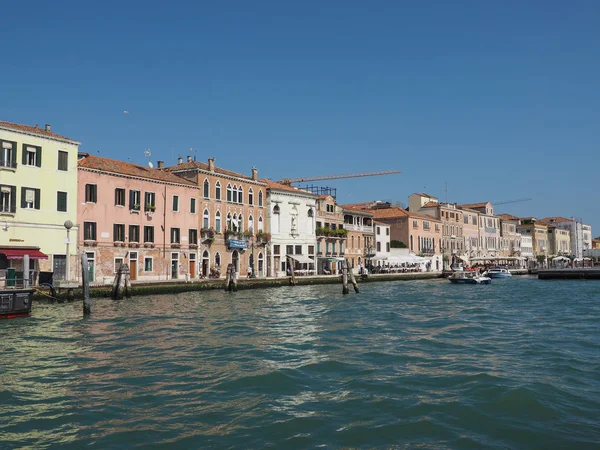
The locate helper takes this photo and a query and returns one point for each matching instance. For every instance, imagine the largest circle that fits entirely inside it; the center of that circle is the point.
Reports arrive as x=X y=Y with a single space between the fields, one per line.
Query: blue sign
x=237 y=243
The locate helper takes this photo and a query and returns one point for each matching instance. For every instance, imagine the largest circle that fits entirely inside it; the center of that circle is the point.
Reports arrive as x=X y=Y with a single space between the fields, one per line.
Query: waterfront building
x=471 y=233
x=361 y=235
x=291 y=215
x=559 y=241
x=526 y=247
x=382 y=243
x=510 y=239
x=489 y=228
x=538 y=232
x=229 y=204
x=596 y=243
x=331 y=235
x=580 y=233
x=38 y=195
x=144 y=217
x=419 y=199
x=421 y=233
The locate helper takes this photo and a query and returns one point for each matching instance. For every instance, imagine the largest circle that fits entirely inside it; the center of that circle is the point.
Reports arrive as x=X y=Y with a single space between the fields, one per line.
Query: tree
x=397 y=244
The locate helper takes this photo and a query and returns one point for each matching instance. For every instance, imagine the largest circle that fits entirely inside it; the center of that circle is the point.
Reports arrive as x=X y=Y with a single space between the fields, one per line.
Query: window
x=426 y=225
x=119 y=197
x=251 y=224
x=30 y=198
x=378 y=230
x=193 y=205
x=176 y=203
x=32 y=155
x=229 y=193
x=89 y=231
x=134 y=233
x=218 y=222
x=329 y=208
x=175 y=236
x=415 y=224
x=119 y=232
x=91 y=193
x=276 y=209
x=241 y=195
x=260 y=198
x=311 y=249
x=61 y=201
x=310 y=213
x=218 y=191
x=148 y=234
x=387 y=247
x=387 y=231
x=193 y=236
x=260 y=224
x=118 y=262
x=250 y=196
x=8 y=154
x=289 y=249
x=378 y=246
x=134 y=200
x=298 y=249
x=235 y=194
x=63 y=160
x=149 y=201
x=148 y=264
x=205 y=219
x=206 y=189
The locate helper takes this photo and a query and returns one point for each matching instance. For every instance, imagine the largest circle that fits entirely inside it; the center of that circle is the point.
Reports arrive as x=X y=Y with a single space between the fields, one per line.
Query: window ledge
x=134 y=211
x=6 y=213
x=9 y=169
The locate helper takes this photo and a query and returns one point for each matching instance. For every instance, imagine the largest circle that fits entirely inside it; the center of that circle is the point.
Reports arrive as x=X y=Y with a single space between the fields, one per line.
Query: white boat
x=498 y=272
x=462 y=277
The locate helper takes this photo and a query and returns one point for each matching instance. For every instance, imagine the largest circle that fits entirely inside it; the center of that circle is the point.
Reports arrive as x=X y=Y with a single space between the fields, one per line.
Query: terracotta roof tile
x=473 y=205
x=284 y=187
x=190 y=165
x=556 y=219
x=506 y=216
x=34 y=130
x=125 y=168
x=431 y=205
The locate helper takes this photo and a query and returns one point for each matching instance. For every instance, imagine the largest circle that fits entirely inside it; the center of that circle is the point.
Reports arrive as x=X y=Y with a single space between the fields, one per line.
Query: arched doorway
x=235 y=260
x=261 y=263
x=205 y=264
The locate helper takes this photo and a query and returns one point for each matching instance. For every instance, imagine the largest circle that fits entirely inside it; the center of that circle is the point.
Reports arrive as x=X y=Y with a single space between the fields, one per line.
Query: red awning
x=18 y=253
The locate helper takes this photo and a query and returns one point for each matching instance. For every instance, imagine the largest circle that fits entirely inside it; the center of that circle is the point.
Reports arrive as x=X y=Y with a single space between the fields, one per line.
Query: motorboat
x=498 y=272
x=463 y=277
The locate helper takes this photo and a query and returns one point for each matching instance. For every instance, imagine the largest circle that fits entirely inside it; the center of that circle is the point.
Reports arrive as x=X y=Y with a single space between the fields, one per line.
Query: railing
x=8 y=209
x=8 y=163
x=428 y=251
x=360 y=228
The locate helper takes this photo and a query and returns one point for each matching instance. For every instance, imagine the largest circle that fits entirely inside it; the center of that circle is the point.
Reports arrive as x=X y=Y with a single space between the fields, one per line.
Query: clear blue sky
x=499 y=99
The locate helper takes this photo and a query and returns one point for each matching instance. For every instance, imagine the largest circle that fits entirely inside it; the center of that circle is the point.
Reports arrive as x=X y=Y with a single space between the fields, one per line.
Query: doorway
x=133 y=256
x=192 y=265
x=174 y=266
x=261 y=263
x=205 y=264
x=59 y=267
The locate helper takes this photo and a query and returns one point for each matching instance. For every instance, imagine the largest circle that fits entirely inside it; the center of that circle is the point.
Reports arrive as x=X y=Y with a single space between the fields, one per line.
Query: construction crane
x=511 y=201
x=290 y=181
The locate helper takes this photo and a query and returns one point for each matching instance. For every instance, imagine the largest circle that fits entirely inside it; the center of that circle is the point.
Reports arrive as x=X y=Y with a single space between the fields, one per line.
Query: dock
x=569 y=274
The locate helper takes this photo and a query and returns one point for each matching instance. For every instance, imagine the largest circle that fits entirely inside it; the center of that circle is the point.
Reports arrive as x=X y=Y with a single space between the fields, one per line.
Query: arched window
x=240 y=223
x=217 y=260
x=228 y=224
x=260 y=224
x=205 y=219
x=310 y=212
x=250 y=196
x=234 y=223
x=235 y=194
x=241 y=195
x=260 y=198
x=218 y=190
x=251 y=224
x=218 y=222
x=310 y=222
x=276 y=209
x=206 y=189
x=261 y=265
x=229 y=193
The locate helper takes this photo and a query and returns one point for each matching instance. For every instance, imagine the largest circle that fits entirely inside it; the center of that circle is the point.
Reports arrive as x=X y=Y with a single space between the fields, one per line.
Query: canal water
x=409 y=364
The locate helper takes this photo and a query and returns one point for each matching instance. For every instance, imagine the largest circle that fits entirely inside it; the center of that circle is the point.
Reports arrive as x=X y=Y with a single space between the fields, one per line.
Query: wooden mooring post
x=231 y=279
x=290 y=265
x=345 y=289
x=353 y=279
x=85 y=281
x=122 y=283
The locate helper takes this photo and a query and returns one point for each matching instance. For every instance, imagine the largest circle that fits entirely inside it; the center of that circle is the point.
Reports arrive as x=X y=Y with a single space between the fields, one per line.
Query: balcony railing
x=428 y=251
x=8 y=209
x=8 y=163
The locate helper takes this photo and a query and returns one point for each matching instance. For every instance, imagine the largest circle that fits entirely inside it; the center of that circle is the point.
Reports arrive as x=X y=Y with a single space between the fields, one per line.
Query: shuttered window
x=61 y=201
x=63 y=160
x=32 y=155
x=30 y=198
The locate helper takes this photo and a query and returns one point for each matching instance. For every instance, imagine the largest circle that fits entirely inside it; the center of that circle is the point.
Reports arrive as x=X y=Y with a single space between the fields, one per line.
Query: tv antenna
x=147 y=154
x=193 y=152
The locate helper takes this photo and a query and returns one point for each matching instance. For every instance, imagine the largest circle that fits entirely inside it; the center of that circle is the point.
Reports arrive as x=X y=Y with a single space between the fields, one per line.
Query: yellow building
x=38 y=194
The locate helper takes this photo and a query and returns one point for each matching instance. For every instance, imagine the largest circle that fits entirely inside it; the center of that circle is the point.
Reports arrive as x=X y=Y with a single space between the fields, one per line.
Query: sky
x=472 y=101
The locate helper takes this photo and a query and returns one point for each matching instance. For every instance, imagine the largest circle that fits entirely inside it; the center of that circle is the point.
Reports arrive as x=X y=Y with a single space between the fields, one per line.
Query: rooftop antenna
x=147 y=154
x=193 y=152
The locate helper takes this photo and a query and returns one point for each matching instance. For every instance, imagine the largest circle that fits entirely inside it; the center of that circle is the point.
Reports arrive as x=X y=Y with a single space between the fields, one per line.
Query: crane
x=511 y=201
x=290 y=181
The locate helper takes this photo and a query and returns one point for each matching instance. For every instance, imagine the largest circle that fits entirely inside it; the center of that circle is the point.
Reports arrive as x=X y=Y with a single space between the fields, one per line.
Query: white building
x=581 y=234
x=291 y=218
x=526 y=246
x=382 y=243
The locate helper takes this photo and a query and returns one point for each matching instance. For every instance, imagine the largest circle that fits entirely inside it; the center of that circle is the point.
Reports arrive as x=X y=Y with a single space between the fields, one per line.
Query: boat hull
x=469 y=281
x=15 y=303
x=499 y=275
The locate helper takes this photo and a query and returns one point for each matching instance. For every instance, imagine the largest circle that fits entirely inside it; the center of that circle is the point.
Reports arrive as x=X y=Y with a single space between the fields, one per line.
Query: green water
x=412 y=364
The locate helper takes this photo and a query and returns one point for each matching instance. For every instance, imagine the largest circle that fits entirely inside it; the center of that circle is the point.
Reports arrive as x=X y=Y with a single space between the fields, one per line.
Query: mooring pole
x=290 y=265
x=353 y=279
x=345 y=289
x=85 y=278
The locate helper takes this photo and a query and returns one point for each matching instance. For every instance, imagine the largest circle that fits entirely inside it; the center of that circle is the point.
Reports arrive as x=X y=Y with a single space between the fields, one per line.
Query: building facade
x=489 y=228
x=538 y=232
x=38 y=195
x=361 y=236
x=230 y=205
x=382 y=243
x=146 y=218
x=291 y=215
x=332 y=237
x=559 y=241
x=580 y=233
x=510 y=239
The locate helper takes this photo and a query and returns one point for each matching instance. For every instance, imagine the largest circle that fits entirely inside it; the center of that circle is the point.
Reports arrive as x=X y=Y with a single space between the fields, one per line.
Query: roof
x=506 y=216
x=557 y=219
x=35 y=130
x=284 y=187
x=387 y=213
x=474 y=205
x=197 y=165
x=431 y=205
x=356 y=207
x=125 y=168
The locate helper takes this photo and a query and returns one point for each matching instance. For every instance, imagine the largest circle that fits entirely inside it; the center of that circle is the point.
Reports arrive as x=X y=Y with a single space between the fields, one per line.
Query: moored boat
x=498 y=272
x=462 y=277
x=15 y=302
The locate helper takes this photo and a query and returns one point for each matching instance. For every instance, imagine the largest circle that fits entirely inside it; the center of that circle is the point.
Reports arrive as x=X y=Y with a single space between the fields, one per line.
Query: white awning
x=302 y=259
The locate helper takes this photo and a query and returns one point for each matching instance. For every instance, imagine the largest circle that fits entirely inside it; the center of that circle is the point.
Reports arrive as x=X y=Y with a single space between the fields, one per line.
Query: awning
x=18 y=253
x=302 y=259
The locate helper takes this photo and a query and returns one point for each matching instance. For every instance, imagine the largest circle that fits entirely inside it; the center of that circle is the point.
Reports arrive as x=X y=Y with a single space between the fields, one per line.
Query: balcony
x=359 y=228
x=8 y=164
x=428 y=251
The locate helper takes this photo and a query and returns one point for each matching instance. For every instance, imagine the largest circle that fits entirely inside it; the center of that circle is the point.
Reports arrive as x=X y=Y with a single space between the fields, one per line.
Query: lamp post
x=68 y=225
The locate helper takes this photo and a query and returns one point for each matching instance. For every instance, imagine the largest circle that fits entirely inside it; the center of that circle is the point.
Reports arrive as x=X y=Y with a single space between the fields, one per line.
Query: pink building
x=147 y=218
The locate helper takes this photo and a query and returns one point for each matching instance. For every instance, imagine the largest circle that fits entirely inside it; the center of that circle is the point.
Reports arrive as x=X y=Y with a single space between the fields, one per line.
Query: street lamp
x=68 y=225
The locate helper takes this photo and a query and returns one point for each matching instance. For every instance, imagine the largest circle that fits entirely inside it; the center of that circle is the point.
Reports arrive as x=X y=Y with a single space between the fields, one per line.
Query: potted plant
x=150 y=208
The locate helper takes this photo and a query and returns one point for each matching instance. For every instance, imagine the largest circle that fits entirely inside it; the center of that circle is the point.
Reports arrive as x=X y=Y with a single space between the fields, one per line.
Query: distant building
x=332 y=237
x=538 y=232
x=489 y=228
x=580 y=233
x=510 y=238
x=382 y=243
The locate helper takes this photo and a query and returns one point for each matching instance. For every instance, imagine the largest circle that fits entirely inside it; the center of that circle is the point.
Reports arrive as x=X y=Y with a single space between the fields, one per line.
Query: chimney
x=211 y=164
x=161 y=164
x=179 y=160
x=47 y=128
x=255 y=174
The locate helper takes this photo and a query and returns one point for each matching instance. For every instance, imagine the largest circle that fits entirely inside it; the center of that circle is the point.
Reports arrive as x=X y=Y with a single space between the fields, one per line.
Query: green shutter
x=23 y=205
x=114 y=232
x=24 y=156
x=13 y=198
x=37 y=199
x=38 y=156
